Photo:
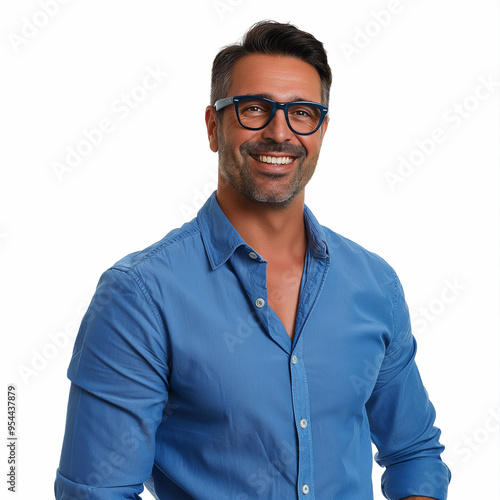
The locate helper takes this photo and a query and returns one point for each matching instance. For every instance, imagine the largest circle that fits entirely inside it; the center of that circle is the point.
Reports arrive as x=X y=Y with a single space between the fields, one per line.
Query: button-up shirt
x=184 y=378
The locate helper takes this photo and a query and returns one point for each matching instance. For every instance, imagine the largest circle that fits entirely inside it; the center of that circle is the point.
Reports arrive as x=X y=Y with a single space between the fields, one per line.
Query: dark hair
x=271 y=38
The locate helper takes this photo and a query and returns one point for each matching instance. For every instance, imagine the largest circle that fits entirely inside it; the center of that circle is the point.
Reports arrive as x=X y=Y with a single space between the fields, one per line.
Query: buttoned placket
x=313 y=279
x=312 y=282
x=301 y=411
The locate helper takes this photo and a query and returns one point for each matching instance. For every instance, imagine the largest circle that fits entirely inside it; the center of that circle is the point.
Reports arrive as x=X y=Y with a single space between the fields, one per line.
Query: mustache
x=256 y=148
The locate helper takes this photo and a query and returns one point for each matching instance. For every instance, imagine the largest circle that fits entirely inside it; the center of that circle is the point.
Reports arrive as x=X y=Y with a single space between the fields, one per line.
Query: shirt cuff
x=420 y=477
x=65 y=489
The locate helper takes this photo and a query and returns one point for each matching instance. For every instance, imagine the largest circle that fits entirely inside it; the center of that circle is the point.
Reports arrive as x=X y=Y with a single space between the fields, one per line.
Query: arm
x=118 y=392
x=402 y=417
x=418 y=498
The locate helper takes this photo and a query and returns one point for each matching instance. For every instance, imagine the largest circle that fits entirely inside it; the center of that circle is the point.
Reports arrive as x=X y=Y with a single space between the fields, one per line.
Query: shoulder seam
x=153 y=252
x=394 y=308
x=145 y=293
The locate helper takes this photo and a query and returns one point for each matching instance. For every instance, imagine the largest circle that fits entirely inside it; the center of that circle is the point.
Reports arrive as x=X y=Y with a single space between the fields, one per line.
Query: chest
x=283 y=286
x=225 y=347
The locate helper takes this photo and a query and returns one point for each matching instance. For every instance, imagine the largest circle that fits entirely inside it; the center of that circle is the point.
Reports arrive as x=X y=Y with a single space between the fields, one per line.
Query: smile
x=276 y=160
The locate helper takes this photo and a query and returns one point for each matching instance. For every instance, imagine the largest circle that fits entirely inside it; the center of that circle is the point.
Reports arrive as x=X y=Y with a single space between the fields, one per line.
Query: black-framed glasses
x=255 y=112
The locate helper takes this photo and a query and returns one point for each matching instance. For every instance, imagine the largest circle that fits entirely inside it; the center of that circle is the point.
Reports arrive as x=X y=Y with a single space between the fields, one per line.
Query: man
x=252 y=353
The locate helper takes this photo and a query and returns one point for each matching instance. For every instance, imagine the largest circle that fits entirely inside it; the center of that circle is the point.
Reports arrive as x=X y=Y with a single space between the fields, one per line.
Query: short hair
x=271 y=38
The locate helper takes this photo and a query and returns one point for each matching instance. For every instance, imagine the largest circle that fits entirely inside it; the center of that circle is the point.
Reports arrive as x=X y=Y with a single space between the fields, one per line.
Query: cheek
x=313 y=143
x=237 y=137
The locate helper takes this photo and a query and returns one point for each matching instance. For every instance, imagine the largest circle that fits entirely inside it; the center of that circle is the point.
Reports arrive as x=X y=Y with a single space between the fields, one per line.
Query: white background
x=64 y=73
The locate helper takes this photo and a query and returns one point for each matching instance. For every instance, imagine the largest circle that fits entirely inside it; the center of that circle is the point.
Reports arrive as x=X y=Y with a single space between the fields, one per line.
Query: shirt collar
x=221 y=239
x=315 y=235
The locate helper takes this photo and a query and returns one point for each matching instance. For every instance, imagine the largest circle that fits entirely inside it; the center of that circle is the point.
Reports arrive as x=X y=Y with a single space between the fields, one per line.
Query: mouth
x=274 y=160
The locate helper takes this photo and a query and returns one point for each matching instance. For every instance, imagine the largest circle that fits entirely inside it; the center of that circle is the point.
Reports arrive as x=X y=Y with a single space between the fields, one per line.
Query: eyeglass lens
x=255 y=113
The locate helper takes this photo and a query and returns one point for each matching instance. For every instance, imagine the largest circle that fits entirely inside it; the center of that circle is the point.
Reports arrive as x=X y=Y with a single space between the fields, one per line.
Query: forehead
x=281 y=78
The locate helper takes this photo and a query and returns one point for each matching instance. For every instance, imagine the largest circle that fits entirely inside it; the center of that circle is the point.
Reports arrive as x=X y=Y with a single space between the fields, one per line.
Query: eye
x=254 y=107
x=302 y=112
x=305 y=112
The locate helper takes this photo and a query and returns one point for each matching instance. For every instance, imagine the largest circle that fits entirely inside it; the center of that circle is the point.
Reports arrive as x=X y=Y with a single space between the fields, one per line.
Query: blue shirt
x=185 y=379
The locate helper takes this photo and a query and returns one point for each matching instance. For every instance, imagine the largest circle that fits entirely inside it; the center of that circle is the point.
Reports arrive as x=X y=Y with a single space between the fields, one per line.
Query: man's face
x=246 y=156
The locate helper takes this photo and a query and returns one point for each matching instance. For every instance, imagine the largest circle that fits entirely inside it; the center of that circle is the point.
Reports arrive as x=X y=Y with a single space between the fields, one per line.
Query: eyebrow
x=269 y=96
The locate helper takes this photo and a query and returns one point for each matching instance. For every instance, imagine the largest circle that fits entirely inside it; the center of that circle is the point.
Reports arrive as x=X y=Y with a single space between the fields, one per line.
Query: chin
x=271 y=201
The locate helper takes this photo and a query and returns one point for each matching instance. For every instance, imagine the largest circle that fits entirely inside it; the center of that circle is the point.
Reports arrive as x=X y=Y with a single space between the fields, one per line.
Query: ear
x=211 y=122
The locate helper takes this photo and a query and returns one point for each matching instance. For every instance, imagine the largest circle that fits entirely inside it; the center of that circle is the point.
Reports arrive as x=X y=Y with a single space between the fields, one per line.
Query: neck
x=271 y=232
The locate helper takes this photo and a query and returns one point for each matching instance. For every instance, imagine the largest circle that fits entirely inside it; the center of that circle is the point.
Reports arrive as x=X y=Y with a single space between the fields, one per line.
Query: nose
x=278 y=129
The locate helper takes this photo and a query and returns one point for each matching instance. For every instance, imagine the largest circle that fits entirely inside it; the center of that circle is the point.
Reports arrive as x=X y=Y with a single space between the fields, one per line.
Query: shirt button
x=303 y=423
x=294 y=360
x=305 y=489
x=260 y=303
x=253 y=255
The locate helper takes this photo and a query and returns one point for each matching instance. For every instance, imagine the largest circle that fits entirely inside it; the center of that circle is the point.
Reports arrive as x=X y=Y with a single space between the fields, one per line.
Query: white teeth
x=276 y=160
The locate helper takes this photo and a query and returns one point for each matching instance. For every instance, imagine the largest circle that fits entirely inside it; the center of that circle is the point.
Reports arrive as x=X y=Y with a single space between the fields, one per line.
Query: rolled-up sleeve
x=119 y=389
x=402 y=418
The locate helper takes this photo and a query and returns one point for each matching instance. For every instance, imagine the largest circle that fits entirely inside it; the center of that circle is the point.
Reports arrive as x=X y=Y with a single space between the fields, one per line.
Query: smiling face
x=269 y=166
